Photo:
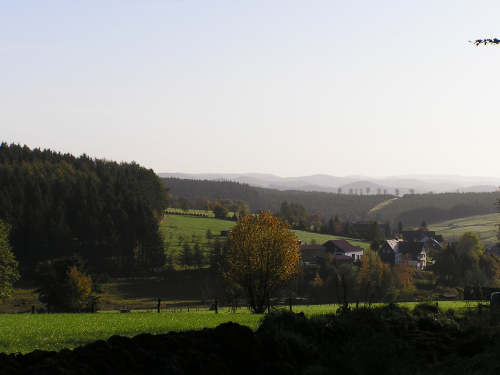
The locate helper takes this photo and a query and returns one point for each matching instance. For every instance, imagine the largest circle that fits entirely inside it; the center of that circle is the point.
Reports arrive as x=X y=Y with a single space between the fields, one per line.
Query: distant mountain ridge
x=363 y=184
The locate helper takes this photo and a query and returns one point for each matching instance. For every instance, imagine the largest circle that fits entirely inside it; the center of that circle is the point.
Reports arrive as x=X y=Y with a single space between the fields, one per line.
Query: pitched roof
x=394 y=244
x=433 y=243
x=342 y=245
x=413 y=249
x=417 y=235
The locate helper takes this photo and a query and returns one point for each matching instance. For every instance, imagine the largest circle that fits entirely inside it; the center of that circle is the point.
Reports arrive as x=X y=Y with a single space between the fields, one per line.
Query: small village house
x=338 y=251
x=413 y=248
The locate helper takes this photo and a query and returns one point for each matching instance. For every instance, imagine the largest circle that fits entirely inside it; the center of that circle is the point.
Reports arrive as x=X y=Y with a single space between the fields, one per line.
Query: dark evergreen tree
x=186 y=256
x=400 y=227
x=198 y=256
x=8 y=264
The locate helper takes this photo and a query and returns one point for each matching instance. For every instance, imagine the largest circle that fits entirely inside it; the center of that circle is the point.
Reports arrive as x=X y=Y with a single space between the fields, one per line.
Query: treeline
x=347 y=207
x=59 y=205
x=299 y=218
x=220 y=207
x=412 y=209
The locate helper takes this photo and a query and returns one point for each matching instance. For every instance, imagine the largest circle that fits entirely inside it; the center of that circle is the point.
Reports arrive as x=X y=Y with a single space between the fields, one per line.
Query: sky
x=289 y=87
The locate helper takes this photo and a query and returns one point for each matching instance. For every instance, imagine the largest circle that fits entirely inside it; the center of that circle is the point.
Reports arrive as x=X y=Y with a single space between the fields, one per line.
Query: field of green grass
x=309 y=238
x=485 y=226
x=26 y=332
x=180 y=229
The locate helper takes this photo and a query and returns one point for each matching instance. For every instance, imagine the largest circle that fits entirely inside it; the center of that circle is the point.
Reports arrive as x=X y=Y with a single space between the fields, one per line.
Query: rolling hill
x=486 y=226
x=411 y=210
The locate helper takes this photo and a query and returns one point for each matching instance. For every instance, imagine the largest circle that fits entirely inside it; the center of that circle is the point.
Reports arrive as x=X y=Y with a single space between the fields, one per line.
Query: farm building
x=344 y=248
x=331 y=251
x=413 y=248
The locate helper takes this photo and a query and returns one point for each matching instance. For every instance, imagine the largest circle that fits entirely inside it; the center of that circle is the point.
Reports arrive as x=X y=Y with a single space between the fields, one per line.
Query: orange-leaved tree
x=403 y=274
x=374 y=277
x=63 y=287
x=262 y=255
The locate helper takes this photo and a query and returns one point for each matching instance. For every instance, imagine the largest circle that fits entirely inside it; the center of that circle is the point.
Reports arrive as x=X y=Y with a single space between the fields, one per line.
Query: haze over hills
x=327 y=183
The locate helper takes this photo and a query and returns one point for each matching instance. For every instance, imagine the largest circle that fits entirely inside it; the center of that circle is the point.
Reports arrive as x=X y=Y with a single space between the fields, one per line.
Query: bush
x=64 y=287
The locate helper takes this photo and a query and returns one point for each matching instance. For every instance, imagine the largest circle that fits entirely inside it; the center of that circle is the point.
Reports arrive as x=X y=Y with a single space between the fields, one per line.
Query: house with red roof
x=344 y=248
x=331 y=251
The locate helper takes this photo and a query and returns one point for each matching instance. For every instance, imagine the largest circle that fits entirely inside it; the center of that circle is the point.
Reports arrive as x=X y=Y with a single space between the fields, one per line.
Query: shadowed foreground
x=387 y=340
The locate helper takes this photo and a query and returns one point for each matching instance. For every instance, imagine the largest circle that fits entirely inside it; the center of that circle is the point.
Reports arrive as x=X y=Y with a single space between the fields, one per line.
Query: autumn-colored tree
x=63 y=286
x=262 y=255
x=79 y=288
x=403 y=274
x=316 y=288
x=8 y=264
x=317 y=282
x=374 y=277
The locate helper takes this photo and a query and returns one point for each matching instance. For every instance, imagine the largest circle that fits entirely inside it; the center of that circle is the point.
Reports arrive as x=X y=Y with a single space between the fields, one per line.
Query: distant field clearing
x=485 y=226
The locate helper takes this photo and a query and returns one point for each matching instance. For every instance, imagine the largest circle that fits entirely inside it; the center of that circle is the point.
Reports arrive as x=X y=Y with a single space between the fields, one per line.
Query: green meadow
x=180 y=229
x=485 y=226
x=26 y=332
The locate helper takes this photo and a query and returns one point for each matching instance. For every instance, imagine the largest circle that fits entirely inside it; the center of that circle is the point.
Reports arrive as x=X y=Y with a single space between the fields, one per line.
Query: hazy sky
x=285 y=87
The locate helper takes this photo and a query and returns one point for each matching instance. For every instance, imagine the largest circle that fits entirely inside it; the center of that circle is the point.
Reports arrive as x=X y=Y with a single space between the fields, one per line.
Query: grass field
x=485 y=226
x=180 y=229
x=26 y=332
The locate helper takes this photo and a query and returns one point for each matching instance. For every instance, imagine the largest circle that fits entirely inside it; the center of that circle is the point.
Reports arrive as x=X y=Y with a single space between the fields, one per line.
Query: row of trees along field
x=299 y=218
x=220 y=207
x=59 y=205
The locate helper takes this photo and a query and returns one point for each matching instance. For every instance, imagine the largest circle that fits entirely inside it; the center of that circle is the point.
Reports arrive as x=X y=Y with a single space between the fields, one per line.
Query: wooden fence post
x=158 y=308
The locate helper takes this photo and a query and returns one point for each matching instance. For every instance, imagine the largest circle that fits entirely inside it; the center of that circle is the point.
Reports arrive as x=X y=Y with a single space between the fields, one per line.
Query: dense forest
x=347 y=207
x=412 y=209
x=60 y=205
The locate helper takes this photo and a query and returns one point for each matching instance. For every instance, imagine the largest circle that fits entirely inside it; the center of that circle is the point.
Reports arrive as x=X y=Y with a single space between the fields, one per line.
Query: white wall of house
x=356 y=255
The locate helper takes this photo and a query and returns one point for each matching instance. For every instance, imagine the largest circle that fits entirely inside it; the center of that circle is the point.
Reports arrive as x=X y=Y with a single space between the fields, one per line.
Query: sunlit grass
x=27 y=332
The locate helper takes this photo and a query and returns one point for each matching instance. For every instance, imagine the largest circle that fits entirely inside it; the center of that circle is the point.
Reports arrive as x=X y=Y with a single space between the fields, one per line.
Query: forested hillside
x=413 y=209
x=347 y=207
x=61 y=205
